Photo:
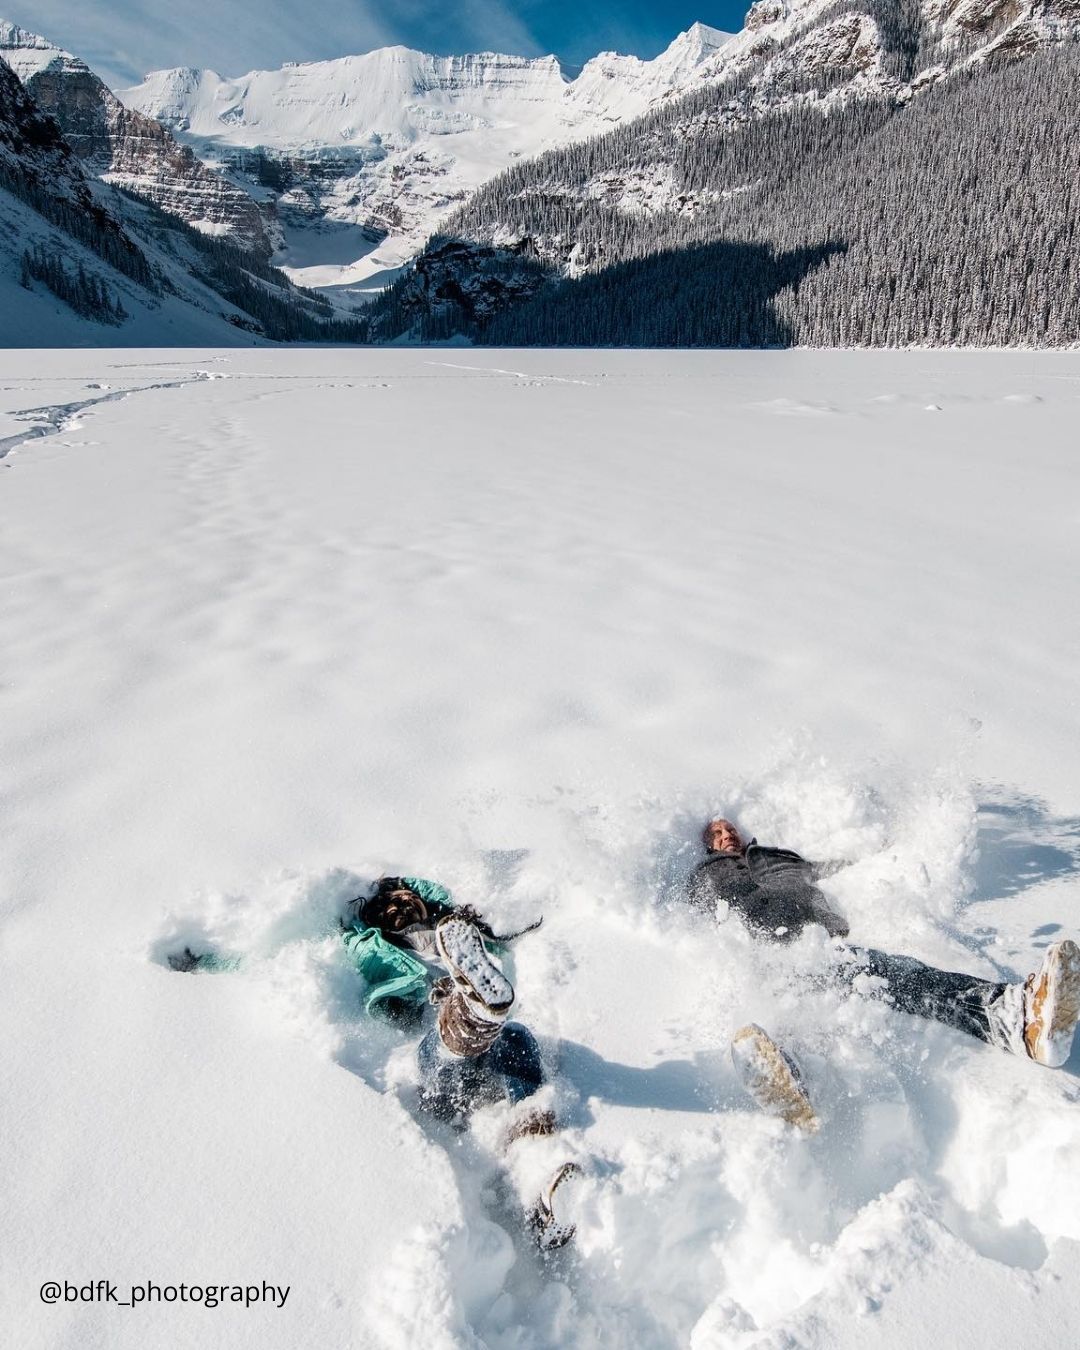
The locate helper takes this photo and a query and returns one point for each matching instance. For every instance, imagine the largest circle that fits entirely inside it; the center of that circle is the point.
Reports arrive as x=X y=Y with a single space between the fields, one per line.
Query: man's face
x=721 y=836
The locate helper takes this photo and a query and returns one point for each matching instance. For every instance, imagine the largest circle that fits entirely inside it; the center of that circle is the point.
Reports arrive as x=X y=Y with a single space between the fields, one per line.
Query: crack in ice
x=54 y=418
x=515 y=374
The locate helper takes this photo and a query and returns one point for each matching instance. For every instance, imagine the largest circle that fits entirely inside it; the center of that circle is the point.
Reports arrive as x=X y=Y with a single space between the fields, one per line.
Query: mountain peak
x=697 y=45
x=11 y=35
x=28 y=53
x=702 y=35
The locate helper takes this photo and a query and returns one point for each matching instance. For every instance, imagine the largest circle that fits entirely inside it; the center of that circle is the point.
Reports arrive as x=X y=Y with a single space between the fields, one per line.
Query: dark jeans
x=960 y=1001
x=452 y=1086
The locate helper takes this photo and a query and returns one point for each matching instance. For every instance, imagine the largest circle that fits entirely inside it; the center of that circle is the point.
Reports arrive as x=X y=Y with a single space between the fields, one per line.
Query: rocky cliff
x=125 y=147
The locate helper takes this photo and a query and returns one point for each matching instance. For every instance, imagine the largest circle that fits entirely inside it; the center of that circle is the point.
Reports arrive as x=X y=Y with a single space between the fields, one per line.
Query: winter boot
x=535 y=1123
x=1052 y=1005
x=550 y=1234
x=475 y=975
x=772 y=1078
x=465 y=1032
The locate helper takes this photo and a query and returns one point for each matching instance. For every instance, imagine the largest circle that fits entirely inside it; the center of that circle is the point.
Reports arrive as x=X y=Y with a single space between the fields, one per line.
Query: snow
x=400 y=94
x=278 y=622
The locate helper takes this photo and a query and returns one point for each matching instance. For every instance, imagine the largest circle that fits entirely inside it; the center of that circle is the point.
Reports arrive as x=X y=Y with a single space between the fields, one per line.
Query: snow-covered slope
x=368 y=152
x=31 y=315
x=253 y=657
x=824 y=53
x=50 y=214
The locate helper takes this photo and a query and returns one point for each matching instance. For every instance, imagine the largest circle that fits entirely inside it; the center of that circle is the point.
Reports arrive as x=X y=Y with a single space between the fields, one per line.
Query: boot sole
x=1055 y=1006
x=473 y=972
x=769 y=1077
x=549 y=1232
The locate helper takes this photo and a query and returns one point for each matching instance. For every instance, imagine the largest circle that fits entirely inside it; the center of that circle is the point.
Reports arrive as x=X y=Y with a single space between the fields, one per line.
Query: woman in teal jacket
x=392 y=934
x=413 y=946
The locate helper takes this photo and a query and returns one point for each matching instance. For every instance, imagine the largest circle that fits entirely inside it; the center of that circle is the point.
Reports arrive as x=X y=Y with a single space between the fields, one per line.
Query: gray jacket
x=771 y=889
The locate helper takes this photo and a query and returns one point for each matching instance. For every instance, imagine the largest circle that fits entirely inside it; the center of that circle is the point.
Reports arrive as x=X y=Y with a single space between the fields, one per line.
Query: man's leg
x=1034 y=1018
x=961 y=1001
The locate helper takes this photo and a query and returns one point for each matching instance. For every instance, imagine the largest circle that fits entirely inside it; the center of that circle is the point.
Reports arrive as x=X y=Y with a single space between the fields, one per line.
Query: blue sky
x=121 y=39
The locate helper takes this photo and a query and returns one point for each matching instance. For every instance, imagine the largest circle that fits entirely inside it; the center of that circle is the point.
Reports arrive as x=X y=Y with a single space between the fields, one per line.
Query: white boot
x=1038 y=1017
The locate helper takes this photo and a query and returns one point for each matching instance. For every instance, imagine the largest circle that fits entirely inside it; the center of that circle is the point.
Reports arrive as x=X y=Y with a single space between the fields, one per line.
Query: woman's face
x=401 y=909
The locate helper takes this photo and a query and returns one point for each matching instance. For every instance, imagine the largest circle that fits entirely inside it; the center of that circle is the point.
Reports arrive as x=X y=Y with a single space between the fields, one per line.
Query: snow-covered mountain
x=82 y=264
x=364 y=155
x=124 y=147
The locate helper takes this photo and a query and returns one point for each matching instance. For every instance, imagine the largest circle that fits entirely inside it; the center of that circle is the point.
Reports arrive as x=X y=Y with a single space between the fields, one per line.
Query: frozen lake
x=275 y=623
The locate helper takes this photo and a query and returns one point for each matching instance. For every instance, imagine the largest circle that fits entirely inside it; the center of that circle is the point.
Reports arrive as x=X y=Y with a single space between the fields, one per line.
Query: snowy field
x=275 y=623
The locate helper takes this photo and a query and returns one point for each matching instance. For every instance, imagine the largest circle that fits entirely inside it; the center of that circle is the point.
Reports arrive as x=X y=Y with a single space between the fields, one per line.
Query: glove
x=477 y=920
x=441 y=990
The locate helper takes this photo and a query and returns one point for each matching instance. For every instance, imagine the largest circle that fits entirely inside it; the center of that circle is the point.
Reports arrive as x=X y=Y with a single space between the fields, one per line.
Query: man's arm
x=820 y=870
x=720 y=880
x=764 y=862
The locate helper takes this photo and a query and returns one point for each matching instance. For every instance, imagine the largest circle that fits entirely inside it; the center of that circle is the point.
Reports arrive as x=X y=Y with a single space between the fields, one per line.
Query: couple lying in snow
x=414 y=947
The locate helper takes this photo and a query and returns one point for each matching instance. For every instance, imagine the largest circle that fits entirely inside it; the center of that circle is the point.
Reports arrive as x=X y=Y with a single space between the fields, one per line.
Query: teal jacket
x=389 y=971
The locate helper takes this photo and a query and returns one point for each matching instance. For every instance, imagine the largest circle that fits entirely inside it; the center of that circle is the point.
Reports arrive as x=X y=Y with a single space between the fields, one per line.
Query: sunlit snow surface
x=281 y=621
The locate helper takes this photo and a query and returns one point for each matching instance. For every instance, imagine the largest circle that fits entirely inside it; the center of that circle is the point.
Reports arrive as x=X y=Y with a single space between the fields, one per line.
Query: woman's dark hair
x=383 y=909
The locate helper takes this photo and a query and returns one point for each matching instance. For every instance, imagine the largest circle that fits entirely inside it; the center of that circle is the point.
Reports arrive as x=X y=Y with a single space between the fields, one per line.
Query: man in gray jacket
x=774 y=892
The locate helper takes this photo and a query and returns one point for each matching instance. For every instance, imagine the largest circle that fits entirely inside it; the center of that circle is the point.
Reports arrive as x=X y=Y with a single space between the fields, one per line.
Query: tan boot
x=534 y=1124
x=772 y=1078
x=1052 y=1005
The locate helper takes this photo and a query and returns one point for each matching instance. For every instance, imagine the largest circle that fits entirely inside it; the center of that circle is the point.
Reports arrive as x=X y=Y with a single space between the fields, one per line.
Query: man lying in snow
x=773 y=892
